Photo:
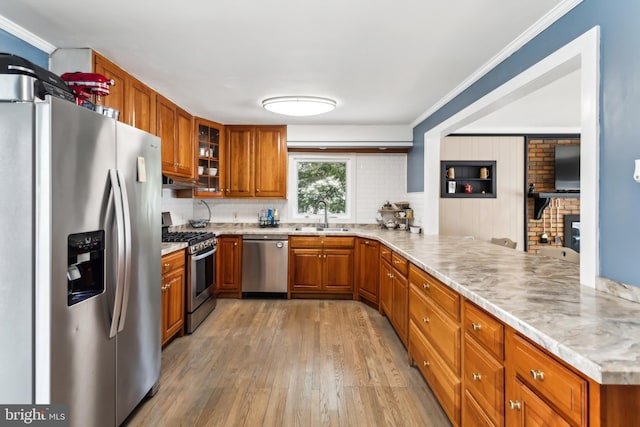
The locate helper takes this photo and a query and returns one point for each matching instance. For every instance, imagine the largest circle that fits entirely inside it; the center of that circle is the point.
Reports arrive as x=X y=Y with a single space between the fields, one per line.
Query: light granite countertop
x=168 y=248
x=595 y=332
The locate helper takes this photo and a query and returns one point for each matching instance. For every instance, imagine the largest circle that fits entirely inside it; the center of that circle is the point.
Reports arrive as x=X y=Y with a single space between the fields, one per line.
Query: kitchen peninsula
x=593 y=334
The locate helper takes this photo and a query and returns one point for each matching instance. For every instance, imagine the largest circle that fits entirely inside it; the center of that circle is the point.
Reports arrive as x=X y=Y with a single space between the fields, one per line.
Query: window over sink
x=321 y=178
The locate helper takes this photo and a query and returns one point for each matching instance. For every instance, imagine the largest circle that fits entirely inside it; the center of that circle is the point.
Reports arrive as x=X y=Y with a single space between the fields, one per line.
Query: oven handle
x=199 y=257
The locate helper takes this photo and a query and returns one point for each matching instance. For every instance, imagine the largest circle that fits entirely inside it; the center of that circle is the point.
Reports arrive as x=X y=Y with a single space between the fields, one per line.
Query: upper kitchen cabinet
x=140 y=106
x=255 y=161
x=118 y=92
x=174 y=126
x=209 y=138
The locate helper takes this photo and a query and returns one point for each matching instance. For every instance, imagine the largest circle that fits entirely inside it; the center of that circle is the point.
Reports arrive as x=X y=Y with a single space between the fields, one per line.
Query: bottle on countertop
x=276 y=215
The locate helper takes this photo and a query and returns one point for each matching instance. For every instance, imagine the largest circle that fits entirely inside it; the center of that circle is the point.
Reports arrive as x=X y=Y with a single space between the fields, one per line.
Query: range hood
x=177 y=183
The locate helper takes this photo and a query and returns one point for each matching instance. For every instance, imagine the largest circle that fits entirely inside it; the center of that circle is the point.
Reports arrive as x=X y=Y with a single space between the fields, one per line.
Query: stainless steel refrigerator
x=79 y=261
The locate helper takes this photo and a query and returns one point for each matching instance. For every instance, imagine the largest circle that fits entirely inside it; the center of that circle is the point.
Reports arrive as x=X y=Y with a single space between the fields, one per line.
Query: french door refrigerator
x=80 y=261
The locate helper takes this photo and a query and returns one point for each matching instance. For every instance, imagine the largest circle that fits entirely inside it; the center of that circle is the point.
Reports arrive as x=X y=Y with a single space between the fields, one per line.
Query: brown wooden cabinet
x=118 y=92
x=321 y=266
x=173 y=277
x=229 y=267
x=435 y=338
x=209 y=154
x=255 y=160
x=394 y=302
x=483 y=367
x=140 y=106
x=367 y=271
x=542 y=388
x=174 y=126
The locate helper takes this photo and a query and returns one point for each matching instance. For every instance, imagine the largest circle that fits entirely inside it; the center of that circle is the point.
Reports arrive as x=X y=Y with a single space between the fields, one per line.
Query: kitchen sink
x=326 y=230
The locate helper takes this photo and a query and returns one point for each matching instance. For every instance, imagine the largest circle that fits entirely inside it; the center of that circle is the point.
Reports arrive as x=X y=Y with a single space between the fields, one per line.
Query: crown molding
x=27 y=36
x=538 y=27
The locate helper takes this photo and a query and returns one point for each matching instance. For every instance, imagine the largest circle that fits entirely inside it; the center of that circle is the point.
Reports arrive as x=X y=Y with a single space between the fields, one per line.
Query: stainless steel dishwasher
x=265 y=265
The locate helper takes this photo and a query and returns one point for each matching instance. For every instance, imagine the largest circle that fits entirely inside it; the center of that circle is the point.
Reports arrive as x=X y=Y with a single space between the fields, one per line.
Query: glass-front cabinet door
x=209 y=135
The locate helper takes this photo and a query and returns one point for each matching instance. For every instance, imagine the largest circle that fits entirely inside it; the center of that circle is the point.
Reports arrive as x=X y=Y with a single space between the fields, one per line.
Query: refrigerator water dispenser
x=85 y=266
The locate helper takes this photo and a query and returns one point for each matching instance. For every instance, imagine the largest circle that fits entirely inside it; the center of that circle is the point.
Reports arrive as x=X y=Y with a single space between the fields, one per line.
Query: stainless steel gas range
x=201 y=273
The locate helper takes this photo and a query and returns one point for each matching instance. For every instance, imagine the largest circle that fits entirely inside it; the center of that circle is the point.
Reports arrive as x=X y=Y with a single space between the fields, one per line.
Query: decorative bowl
x=198 y=223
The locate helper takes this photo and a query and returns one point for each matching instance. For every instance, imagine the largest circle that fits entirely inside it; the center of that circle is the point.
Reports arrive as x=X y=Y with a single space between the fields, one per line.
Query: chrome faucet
x=325 y=224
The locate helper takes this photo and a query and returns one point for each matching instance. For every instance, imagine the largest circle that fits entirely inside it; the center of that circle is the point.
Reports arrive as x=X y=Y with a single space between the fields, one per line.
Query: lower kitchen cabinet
x=173 y=277
x=229 y=267
x=540 y=386
x=321 y=266
x=367 y=270
x=483 y=372
x=394 y=291
x=435 y=338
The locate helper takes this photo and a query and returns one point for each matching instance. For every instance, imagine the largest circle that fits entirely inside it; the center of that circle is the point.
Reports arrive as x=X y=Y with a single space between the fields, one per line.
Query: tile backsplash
x=379 y=177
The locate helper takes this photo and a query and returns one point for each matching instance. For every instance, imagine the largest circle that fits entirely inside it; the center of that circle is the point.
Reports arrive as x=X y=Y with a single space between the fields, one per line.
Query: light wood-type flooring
x=290 y=363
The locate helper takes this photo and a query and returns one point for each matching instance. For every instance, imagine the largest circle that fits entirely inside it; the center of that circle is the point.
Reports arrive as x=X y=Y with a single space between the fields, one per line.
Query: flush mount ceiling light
x=299 y=105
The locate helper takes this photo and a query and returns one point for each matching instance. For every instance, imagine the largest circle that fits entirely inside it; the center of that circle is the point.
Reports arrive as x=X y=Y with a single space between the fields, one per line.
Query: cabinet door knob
x=425 y=286
x=426 y=319
x=366 y=242
x=514 y=405
x=476 y=376
x=476 y=326
x=235 y=243
x=537 y=375
x=257 y=190
x=425 y=363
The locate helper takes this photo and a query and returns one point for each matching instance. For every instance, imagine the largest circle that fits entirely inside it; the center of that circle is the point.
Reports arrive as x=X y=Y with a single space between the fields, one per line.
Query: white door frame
x=583 y=53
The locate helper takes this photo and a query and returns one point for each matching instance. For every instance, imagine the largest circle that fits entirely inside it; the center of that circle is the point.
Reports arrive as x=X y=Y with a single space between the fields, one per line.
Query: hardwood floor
x=290 y=363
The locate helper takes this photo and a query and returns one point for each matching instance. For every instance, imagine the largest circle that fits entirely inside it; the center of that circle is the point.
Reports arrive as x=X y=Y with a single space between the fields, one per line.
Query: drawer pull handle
x=476 y=376
x=515 y=405
x=476 y=326
x=167 y=265
x=425 y=286
x=426 y=320
x=537 y=375
x=425 y=363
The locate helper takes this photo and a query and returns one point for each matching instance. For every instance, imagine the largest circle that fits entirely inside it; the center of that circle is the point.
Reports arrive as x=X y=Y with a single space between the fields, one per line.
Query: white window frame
x=294 y=159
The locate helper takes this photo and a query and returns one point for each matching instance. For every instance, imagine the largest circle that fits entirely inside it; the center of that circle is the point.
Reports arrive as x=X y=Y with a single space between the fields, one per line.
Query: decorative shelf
x=468 y=172
x=542 y=200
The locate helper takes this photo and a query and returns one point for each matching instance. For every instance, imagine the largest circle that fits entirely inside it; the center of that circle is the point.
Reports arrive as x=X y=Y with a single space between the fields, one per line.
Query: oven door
x=202 y=272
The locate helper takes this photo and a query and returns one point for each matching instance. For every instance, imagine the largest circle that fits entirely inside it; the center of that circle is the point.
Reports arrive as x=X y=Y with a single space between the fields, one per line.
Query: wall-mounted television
x=568 y=168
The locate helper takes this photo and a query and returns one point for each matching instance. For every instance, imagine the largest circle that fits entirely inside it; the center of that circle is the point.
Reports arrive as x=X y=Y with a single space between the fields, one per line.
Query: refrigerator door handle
x=127 y=240
x=117 y=197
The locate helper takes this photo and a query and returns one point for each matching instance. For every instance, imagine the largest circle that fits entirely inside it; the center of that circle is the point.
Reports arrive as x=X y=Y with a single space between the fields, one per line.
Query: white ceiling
x=384 y=62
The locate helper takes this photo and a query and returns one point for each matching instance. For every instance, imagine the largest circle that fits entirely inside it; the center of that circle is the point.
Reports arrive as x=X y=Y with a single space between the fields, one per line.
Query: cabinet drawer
x=444 y=383
x=448 y=299
x=304 y=242
x=399 y=263
x=321 y=242
x=566 y=390
x=338 y=242
x=484 y=378
x=172 y=261
x=442 y=332
x=485 y=329
x=385 y=253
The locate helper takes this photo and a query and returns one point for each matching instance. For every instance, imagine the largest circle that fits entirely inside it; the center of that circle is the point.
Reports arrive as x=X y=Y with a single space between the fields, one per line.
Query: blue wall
x=11 y=44
x=619 y=23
